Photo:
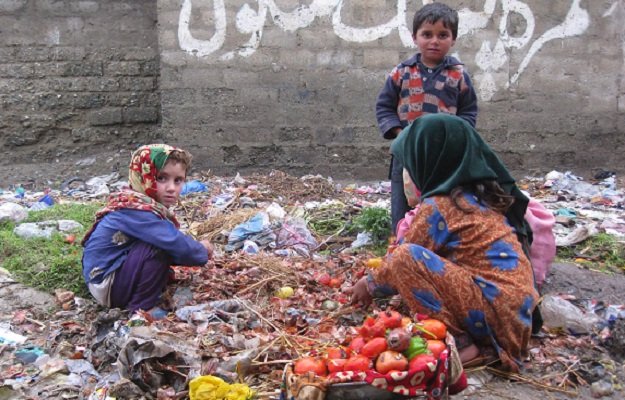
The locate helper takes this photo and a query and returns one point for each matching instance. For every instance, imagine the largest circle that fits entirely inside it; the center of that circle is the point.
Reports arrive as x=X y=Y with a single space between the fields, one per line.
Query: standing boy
x=428 y=82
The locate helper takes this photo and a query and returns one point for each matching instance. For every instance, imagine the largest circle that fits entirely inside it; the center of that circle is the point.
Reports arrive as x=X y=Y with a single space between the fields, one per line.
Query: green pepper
x=417 y=346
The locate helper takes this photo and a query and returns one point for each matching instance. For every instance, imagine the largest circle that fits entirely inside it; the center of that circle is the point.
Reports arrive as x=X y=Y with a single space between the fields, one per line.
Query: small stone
x=600 y=389
x=329 y=305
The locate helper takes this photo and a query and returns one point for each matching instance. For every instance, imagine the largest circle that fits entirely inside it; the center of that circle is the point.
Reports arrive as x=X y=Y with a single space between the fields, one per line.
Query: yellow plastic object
x=285 y=292
x=374 y=262
x=210 y=387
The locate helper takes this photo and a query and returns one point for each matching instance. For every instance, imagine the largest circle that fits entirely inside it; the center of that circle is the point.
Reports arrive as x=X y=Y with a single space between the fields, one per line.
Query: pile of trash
x=286 y=251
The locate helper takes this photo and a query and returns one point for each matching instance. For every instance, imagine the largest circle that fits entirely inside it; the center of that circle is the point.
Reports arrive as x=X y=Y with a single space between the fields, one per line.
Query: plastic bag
x=295 y=234
x=560 y=313
x=213 y=388
x=362 y=239
x=194 y=186
x=257 y=229
x=13 y=212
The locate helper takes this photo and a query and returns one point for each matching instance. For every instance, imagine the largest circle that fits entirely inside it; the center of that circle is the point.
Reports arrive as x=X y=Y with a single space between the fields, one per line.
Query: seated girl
x=135 y=239
x=461 y=260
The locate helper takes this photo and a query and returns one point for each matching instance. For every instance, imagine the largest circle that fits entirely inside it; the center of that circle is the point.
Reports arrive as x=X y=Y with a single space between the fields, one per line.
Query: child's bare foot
x=468 y=353
x=473 y=356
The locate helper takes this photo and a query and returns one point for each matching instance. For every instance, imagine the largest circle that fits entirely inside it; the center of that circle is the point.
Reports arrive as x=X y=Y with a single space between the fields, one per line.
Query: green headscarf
x=442 y=152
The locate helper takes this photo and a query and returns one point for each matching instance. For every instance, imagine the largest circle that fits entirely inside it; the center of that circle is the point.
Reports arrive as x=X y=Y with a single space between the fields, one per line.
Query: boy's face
x=434 y=41
x=169 y=183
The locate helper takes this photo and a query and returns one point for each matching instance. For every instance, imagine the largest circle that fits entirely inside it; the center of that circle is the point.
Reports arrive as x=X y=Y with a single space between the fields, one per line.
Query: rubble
x=285 y=254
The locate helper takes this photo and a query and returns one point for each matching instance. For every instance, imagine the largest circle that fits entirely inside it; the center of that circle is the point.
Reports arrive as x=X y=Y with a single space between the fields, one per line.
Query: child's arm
x=160 y=233
x=386 y=108
x=467 y=101
x=209 y=248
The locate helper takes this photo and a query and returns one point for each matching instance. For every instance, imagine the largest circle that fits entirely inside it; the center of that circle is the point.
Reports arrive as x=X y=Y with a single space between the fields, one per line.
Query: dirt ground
x=567 y=279
x=564 y=278
x=31 y=175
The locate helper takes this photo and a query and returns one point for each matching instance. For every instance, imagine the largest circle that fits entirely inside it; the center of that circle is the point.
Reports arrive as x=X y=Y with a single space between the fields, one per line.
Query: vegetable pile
x=386 y=343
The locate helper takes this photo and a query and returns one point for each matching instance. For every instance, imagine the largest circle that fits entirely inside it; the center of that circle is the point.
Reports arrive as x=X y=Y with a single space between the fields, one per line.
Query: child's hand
x=209 y=248
x=360 y=293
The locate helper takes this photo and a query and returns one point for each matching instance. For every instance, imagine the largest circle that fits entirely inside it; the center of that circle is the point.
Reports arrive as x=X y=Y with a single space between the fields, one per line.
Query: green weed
x=374 y=220
x=602 y=252
x=379 y=249
x=48 y=264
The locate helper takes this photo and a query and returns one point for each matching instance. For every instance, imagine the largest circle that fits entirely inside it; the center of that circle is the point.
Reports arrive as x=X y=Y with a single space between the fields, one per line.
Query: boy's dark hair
x=182 y=157
x=434 y=12
x=488 y=192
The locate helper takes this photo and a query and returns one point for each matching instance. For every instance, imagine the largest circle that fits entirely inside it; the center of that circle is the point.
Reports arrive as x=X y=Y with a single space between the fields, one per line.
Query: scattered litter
x=275 y=290
x=45 y=229
x=12 y=212
x=560 y=313
x=193 y=186
x=8 y=337
x=362 y=239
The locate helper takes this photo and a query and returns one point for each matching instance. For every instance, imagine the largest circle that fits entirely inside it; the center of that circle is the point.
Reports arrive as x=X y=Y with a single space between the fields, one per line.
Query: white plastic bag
x=560 y=313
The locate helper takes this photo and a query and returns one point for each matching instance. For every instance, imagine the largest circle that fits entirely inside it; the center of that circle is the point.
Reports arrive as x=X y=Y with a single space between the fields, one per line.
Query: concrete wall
x=291 y=84
x=253 y=85
x=77 y=78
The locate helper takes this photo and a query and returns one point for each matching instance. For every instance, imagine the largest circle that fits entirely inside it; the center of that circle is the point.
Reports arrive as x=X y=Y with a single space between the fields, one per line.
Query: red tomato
x=374 y=347
x=324 y=279
x=336 y=365
x=310 y=364
x=335 y=283
x=342 y=298
x=420 y=361
x=358 y=363
x=436 y=347
x=437 y=329
x=391 y=360
x=369 y=321
x=337 y=352
x=357 y=344
x=376 y=330
x=391 y=319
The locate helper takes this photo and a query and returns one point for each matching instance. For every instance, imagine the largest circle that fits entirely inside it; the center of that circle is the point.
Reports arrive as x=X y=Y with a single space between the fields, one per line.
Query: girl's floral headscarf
x=145 y=164
x=441 y=152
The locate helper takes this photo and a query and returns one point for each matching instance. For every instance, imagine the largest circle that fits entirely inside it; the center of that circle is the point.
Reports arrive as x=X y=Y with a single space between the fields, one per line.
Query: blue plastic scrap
x=47 y=199
x=194 y=186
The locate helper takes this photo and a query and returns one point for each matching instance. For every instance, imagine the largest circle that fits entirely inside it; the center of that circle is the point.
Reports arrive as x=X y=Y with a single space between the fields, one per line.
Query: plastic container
x=362 y=391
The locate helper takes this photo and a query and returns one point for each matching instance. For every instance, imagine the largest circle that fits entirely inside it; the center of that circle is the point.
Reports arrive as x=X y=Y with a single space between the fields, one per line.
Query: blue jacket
x=409 y=93
x=107 y=247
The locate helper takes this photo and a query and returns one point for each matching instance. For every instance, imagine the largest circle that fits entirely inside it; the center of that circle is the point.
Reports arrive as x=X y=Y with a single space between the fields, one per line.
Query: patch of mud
x=595 y=364
x=16 y=296
x=565 y=278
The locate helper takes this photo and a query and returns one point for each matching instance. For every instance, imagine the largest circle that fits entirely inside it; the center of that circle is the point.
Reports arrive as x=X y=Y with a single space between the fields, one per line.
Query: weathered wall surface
x=253 y=85
x=292 y=84
x=77 y=78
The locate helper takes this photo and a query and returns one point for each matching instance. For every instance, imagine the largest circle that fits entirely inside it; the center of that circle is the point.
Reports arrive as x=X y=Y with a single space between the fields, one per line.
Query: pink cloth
x=413 y=197
x=404 y=224
x=543 y=248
